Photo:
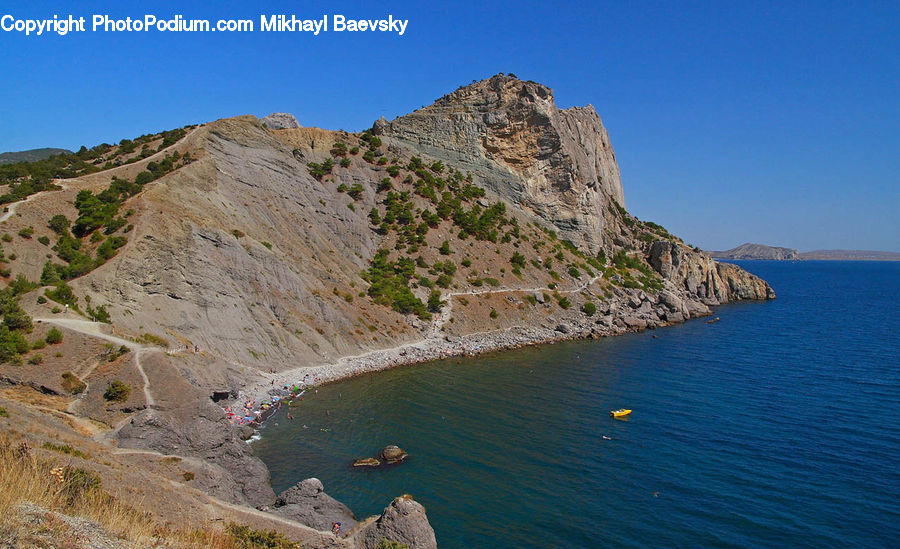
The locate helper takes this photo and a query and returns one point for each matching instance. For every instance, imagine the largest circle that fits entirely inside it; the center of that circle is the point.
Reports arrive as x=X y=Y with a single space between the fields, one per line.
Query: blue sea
x=778 y=426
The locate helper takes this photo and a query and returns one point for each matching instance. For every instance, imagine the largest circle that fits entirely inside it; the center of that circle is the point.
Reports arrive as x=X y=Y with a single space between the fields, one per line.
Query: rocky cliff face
x=556 y=165
x=280 y=121
x=703 y=278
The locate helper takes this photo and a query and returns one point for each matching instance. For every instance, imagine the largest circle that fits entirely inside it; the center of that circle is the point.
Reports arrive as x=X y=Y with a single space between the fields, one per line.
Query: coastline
x=430 y=349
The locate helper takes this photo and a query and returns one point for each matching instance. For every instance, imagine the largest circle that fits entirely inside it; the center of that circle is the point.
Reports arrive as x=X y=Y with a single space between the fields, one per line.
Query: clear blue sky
x=777 y=123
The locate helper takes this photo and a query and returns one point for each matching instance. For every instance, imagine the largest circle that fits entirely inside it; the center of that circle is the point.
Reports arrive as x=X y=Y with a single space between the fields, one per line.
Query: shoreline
x=418 y=352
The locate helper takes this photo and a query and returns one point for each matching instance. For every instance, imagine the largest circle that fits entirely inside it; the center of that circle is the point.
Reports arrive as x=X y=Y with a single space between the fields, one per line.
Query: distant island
x=761 y=251
x=30 y=155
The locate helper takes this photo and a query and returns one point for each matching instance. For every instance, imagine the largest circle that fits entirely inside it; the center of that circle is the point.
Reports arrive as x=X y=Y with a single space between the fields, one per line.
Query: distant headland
x=761 y=251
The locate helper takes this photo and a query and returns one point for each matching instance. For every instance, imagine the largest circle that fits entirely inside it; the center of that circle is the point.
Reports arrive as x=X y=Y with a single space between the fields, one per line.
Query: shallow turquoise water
x=777 y=426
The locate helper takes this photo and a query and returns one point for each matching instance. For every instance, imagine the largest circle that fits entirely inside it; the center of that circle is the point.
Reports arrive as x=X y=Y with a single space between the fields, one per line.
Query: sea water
x=779 y=425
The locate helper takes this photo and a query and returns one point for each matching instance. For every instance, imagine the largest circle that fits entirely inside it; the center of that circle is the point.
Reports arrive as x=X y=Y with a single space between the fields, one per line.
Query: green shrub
x=345 y=162
x=563 y=301
x=155 y=340
x=355 y=191
x=54 y=336
x=59 y=223
x=64 y=449
x=266 y=244
x=39 y=344
x=3 y=412
x=574 y=272
x=445 y=248
x=434 y=301
x=319 y=171
x=466 y=262
x=117 y=391
x=248 y=538
x=492 y=282
x=37 y=358
x=72 y=384
x=63 y=294
x=44 y=240
x=100 y=314
x=493 y=313
x=6 y=237
x=589 y=308
x=385 y=543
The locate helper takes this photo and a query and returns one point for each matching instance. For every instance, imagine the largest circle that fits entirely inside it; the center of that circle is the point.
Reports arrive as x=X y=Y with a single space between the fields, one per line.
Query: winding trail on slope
x=11 y=208
x=94 y=329
x=447 y=311
x=347 y=365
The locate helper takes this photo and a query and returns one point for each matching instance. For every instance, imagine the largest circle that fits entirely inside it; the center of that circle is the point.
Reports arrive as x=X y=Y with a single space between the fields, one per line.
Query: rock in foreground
x=404 y=521
x=307 y=503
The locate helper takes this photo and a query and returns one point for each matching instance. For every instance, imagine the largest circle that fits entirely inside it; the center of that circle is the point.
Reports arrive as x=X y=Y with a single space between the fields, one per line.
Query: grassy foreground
x=44 y=501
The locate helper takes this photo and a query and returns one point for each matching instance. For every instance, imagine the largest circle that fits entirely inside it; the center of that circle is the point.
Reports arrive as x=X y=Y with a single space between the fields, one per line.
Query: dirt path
x=95 y=329
x=11 y=208
x=349 y=365
x=447 y=311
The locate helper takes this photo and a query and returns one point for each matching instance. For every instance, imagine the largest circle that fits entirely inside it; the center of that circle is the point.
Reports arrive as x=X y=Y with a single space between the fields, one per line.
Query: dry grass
x=28 y=476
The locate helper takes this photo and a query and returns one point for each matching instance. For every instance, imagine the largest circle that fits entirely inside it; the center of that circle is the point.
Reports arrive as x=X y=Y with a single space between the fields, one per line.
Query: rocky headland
x=273 y=255
x=761 y=251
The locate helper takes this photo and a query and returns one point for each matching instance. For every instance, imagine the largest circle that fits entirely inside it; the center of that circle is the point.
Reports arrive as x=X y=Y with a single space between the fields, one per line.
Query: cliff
x=557 y=166
x=242 y=256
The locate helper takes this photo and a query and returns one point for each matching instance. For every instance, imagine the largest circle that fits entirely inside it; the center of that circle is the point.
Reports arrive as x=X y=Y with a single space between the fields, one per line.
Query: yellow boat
x=621 y=412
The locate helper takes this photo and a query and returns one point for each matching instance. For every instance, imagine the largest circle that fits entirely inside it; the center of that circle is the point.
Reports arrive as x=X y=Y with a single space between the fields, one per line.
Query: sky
x=767 y=122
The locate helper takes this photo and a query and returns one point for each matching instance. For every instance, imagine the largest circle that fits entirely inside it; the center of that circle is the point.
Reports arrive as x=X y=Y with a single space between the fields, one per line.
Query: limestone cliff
x=556 y=165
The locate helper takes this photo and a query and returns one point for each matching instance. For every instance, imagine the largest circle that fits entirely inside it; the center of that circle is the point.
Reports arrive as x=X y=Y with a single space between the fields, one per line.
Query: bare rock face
x=557 y=165
x=404 y=520
x=307 y=503
x=743 y=285
x=700 y=277
x=232 y=473
x=280 y=121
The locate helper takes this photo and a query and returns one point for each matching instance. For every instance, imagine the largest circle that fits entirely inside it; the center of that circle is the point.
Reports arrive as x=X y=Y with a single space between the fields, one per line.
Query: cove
x=771 y=427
